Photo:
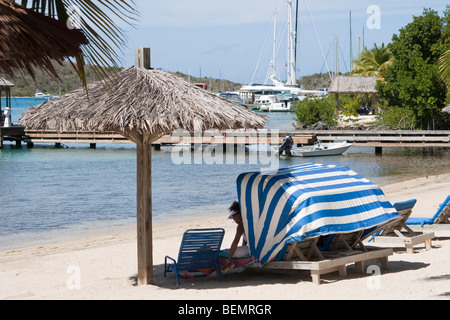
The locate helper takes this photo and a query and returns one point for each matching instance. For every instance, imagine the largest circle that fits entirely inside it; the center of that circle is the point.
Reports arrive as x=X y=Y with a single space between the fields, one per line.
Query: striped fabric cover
x=307 y=201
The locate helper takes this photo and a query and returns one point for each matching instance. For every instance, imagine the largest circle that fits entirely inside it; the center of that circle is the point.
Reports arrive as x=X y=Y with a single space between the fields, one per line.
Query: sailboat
x=278 y=87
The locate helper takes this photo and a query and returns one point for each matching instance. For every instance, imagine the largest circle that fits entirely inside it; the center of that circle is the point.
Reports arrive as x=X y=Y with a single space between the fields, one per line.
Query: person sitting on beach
x=236 y=250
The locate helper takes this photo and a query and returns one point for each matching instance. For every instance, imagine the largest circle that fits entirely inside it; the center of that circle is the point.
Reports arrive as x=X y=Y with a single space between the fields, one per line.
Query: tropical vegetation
x=373 y=62
x=444 y=68
x=312 y=110
x=412 y=85
x=95 y=19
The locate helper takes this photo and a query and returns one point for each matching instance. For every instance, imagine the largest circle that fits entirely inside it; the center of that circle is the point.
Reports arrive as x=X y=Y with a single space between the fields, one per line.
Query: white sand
x=106 y=265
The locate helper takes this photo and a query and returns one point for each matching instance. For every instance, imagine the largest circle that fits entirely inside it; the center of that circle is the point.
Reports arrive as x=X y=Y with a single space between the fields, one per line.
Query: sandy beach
x=104 y=265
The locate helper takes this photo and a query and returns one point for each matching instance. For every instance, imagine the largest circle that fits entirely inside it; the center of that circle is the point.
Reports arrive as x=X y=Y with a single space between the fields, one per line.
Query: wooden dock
x=387 y=138
x=15 y=134
x=224 y=138
x=359 y=138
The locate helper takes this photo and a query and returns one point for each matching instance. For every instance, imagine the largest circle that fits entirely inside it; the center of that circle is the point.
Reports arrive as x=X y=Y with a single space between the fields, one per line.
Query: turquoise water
x=49 y=193
x=19 y=106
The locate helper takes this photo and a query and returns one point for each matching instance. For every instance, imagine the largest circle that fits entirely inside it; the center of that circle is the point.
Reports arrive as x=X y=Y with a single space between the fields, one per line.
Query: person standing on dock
x=286 y=147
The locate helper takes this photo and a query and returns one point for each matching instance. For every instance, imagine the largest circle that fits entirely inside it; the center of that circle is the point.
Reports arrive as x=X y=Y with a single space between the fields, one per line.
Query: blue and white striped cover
x=307 y=201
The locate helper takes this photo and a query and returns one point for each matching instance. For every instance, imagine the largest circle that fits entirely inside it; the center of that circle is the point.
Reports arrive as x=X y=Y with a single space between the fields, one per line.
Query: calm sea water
x=49 y=193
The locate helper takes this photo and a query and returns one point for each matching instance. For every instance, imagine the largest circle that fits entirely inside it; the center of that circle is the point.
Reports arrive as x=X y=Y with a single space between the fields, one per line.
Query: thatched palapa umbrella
x=354 y=85
x=141 y=105
x=32 y=40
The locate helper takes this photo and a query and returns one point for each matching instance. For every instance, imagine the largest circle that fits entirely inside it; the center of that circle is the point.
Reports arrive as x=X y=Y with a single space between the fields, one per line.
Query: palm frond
x=97 y=20
x=30 y=40
x=373 y=62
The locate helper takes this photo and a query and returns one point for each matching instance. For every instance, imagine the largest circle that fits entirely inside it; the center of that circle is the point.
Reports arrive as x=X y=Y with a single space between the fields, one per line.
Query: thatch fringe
x=140 y=103
x=32 y=40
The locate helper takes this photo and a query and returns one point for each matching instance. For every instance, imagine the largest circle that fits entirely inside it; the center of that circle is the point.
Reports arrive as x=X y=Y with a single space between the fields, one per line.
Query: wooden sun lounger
x=306 y=255
x=398 y=232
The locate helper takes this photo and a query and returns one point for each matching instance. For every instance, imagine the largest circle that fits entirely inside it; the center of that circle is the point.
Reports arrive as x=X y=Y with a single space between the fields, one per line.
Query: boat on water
x=322 y=149
x=250 y=93
x=234 y=97
x=270 y=102
x=41 y=96
x=276 y=103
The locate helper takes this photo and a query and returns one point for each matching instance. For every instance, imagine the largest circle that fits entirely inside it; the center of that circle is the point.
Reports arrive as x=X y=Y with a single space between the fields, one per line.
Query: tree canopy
x=373 y=62
x=413 y=81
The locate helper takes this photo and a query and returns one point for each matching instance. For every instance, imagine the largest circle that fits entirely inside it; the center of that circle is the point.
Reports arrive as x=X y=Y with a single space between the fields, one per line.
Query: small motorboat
x=41 y=96
x=322 y=149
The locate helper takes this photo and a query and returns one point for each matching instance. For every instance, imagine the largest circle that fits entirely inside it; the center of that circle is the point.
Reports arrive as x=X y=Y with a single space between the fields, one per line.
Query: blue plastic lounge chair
x=399 y=232
x=442 y=216
x=198 y=256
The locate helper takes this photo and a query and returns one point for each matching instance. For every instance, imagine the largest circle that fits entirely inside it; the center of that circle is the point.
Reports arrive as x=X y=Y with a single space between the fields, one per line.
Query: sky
x=233 y=39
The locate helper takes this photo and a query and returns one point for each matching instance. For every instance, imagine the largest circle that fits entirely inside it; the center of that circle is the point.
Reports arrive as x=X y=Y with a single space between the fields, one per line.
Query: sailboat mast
x=296 y=34
x=351 y=43
x=336 y=57
x=274 y=54
x=291 y=48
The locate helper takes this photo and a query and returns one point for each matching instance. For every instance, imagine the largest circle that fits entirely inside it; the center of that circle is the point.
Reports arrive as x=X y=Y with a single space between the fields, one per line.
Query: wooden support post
x=336 y=100
x=142 y=58
x=144 y=214
x=144 y=192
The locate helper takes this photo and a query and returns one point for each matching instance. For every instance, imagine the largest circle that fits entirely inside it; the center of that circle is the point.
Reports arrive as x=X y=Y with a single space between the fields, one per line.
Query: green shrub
x=312 y=110
x=397 y=118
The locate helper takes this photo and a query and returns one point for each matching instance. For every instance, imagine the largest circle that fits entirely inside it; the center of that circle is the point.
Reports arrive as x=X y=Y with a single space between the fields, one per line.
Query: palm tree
x=373 y=62
x=444 y=68
x=94 y=18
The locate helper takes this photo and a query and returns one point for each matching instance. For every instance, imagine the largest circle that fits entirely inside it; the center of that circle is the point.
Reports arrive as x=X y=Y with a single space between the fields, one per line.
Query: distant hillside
x=214 y=85
x=25 y=86
x=315 y=81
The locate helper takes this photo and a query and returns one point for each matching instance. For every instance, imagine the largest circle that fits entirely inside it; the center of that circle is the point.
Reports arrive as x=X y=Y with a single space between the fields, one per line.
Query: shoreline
x=107 y=264
x=396 y=191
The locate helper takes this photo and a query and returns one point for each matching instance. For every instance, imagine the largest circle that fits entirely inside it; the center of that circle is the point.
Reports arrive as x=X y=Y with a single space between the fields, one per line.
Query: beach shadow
x=399 y=266
x=441 y=277
x=242 y=277
x=133 y=280
x=445 y=294
x=444 y=277
x=441 y=238
x=239 y=277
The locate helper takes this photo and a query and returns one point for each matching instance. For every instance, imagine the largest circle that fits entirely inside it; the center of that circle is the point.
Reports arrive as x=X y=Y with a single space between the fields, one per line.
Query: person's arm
x=239 y=232
x=237 y=238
